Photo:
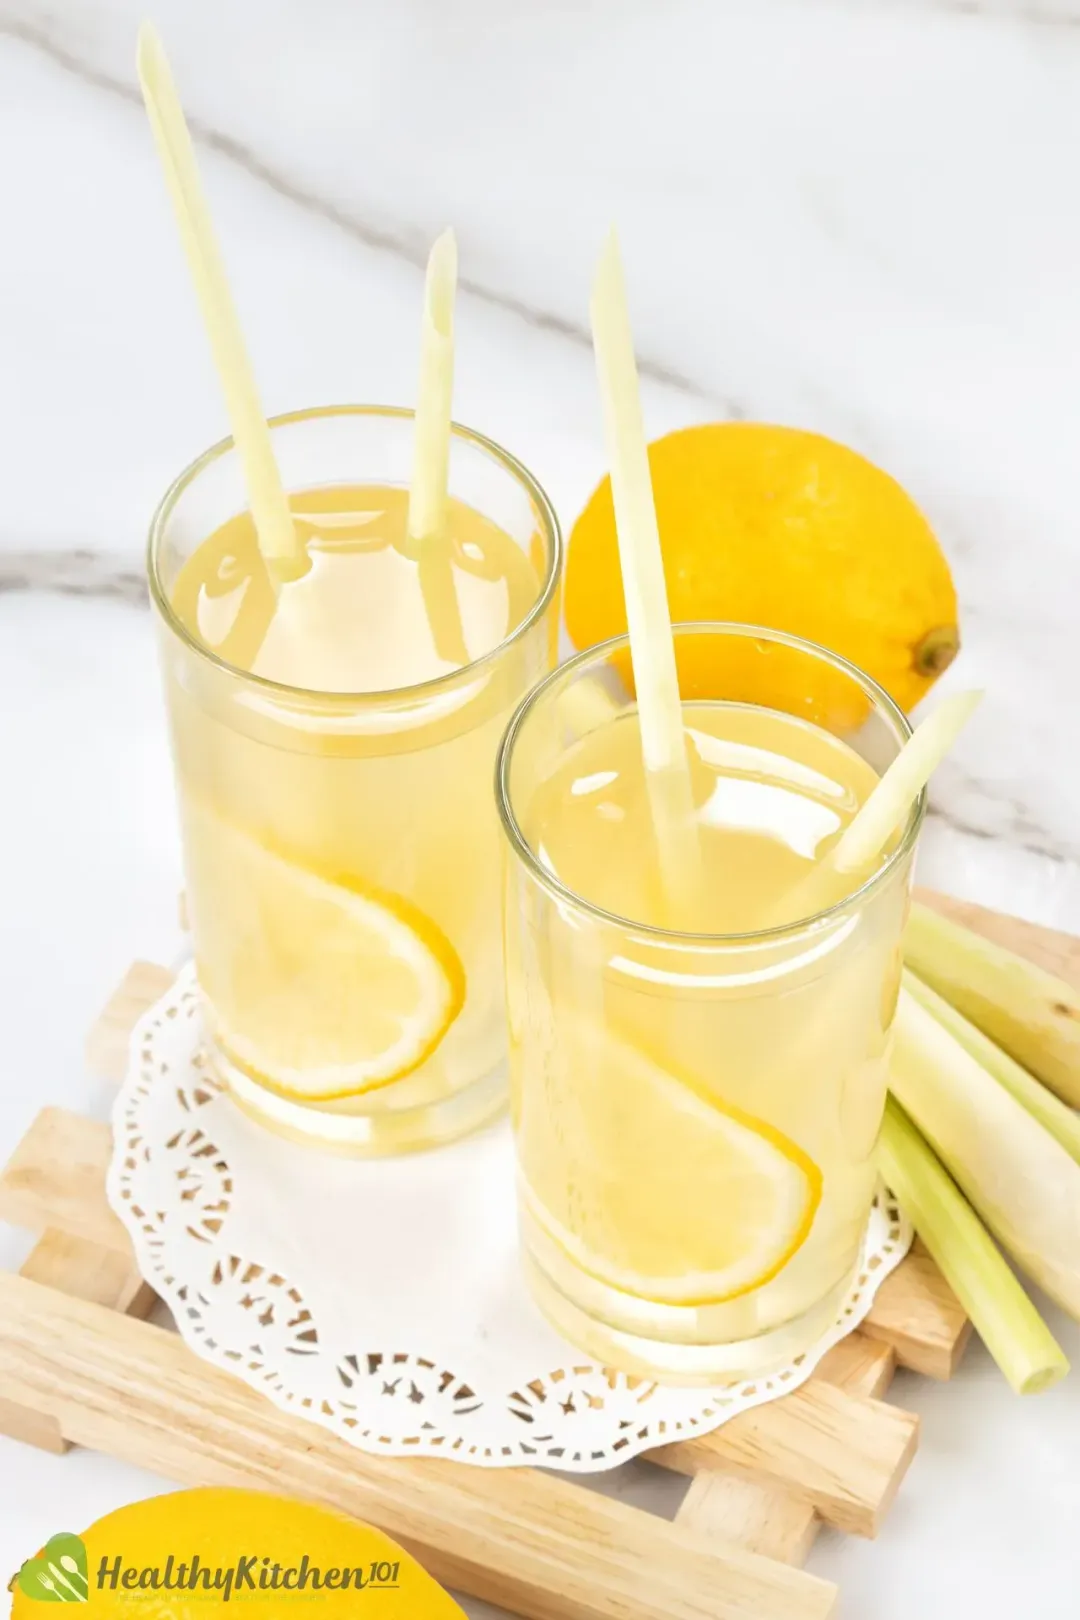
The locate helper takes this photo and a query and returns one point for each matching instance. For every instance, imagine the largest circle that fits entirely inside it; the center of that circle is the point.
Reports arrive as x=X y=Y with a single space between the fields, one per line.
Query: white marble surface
x=860 y=217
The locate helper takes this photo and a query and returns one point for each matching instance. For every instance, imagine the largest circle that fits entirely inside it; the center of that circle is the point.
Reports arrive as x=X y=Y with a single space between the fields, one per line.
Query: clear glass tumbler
x=695 y=1114
x=318 y=824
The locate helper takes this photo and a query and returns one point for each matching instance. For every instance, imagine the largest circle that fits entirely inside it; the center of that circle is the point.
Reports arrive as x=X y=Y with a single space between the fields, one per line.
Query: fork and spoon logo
x=58 y=1574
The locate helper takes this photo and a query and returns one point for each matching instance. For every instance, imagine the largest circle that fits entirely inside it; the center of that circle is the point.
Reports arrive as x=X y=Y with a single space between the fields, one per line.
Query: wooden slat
x=861 y=1366
x=917 y=1313
x=56 y=1178
x=31 y=1428
x=107 y=1043
x=766 y=1518
x=530 y=1542
x=86 y=1271
x=843 y=1454
x=731 y=1510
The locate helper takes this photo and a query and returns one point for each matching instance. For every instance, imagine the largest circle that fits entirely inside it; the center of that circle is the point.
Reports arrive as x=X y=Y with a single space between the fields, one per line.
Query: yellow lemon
x=654 y=1186
x=193 y=1554
x=776 y=527
x=318 y=988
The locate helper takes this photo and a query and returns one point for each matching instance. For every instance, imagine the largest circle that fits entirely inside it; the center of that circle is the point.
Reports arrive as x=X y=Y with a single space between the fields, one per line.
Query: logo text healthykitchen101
x=257 y=1573
x=60 y=1575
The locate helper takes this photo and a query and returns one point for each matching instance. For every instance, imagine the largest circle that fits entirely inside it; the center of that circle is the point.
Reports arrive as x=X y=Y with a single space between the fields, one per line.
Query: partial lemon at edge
x=199 y=1554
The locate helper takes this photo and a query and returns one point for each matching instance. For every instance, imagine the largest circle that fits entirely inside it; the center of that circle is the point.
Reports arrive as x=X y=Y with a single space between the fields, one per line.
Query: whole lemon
x=785 y=529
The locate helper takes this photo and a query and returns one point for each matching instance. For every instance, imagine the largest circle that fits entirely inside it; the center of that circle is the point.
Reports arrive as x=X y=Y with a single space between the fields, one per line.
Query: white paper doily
x=382 y=1298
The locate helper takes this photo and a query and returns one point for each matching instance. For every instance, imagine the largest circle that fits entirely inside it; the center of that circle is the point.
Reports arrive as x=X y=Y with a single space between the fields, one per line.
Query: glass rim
x=524 y=852
x=422 y=690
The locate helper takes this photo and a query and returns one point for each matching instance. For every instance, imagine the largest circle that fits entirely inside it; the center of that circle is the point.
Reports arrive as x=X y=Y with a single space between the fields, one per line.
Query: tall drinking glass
x=334 y=738
x=696 y=1109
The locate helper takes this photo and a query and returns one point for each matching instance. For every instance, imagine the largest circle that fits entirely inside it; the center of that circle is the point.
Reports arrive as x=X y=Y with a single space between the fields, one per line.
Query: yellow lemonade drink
x=334 y=730
x=696 y=1097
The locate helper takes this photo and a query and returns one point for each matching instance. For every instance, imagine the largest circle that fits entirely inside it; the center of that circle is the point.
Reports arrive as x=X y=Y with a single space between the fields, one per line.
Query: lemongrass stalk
x=889 y=805
x=866 y=837
x=652 y=645
x=1033 y=1015
x=431 y=444
x=1022 y=1182
x=270 y=511
x=1062 y=1122
x=969 y=1260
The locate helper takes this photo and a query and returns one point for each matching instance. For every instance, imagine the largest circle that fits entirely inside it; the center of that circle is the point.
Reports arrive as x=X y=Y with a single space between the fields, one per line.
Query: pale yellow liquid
x=695 y=1124
x=298 y=810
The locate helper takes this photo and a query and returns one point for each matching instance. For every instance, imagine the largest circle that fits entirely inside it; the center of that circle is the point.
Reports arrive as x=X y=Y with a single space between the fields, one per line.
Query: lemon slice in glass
x=319 y=989
x=653 y=1185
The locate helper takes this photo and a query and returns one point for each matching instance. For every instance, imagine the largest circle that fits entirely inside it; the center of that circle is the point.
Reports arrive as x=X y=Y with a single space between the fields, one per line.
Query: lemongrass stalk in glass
x=641 y=563
x=272 y=519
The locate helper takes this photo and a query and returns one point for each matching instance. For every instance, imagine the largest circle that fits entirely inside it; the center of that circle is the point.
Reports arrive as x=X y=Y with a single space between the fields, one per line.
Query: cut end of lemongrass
x=270 y=511
x=431 y=447
x=890 y=804
x=441 y=284
x=149 y=51
x=1045 y=1377
x=145 y=42
x=1004 y=1317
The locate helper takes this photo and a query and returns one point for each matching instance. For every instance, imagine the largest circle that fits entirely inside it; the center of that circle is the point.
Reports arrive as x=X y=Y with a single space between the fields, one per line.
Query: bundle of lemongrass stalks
x=981 y=1140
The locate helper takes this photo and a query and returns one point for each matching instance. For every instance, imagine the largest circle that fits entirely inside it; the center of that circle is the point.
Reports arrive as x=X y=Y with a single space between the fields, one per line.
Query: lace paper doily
x=382 y=1298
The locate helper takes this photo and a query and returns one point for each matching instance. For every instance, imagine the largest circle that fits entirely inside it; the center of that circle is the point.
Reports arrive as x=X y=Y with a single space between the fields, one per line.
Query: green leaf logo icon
x=58 y=1575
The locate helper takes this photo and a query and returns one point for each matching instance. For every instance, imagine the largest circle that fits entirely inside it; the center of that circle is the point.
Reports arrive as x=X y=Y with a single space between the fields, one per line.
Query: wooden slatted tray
x=79 y=1364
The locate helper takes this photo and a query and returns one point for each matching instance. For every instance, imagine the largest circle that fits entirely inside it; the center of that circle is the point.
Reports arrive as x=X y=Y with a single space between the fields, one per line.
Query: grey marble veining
x=79 y=572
